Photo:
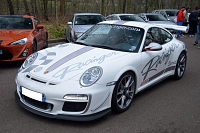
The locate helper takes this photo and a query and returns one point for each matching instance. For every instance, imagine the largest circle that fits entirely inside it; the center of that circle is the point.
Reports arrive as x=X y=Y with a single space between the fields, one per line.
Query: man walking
x=198 y=29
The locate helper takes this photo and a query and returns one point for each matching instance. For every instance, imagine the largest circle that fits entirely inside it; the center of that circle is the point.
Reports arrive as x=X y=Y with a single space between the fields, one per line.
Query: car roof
x=127 y=23
x=20 y=16
x=120 y=14
x=166 y=10
x=150 y=13
x=87 y=14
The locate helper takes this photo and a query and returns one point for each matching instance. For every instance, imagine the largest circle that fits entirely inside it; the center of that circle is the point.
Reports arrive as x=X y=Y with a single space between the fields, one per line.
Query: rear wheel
x=180 y=66
x=123 y=93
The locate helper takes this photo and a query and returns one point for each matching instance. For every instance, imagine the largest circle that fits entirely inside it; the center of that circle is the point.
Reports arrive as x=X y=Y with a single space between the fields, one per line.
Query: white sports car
x=101 y=71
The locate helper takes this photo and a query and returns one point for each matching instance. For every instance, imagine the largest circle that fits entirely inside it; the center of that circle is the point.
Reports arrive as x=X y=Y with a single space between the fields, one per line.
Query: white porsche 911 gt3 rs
x=101 y=71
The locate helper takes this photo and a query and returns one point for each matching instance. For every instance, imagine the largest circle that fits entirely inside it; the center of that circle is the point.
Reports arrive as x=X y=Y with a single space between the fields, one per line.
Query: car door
x=154 y=63
x=39 y=34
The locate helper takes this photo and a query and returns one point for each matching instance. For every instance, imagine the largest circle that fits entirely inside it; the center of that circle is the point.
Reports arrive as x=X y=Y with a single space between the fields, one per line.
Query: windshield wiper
x=81 y=43
x=104 y=46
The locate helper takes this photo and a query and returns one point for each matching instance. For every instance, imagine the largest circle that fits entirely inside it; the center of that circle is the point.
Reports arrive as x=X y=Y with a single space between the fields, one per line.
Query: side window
x=167 y=37
x=164 y=14
x=36 y=22
x=115 y=18
x=153 y=35
x=108 y=18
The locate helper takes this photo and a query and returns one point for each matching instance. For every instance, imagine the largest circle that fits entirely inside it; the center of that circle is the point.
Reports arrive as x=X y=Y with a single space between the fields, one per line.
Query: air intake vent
x=40 y=80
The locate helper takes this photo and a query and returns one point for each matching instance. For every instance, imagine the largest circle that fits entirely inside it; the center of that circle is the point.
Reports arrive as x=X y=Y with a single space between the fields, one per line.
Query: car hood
x=172 y=18
x=81 y=28
x=66 y=61
x=162 y=22
x=8 y=36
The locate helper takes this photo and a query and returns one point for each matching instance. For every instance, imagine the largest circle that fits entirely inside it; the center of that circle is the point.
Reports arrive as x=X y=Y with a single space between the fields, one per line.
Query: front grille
x=38 y=104
x=74 y=106
x=6 y=55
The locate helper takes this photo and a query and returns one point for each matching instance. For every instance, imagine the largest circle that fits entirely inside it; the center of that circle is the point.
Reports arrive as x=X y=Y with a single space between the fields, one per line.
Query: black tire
x=180 y=66
x=66 y=39
x=46 y=42
x=123 y=93
x=34 y=47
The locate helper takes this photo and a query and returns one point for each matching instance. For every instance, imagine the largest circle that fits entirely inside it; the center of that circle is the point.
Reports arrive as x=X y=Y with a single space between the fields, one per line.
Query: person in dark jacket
x=198 y=29
x=180 y=19
x=193 y=22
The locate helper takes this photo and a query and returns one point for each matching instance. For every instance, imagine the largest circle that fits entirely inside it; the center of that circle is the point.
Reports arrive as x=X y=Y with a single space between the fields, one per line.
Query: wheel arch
x=129 y=69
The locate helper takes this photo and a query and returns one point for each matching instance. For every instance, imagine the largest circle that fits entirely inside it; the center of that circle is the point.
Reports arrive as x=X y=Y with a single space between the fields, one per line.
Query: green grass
x=55 y=31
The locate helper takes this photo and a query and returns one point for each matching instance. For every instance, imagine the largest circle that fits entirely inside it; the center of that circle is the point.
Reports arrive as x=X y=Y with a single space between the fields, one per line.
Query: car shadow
x=7 y=65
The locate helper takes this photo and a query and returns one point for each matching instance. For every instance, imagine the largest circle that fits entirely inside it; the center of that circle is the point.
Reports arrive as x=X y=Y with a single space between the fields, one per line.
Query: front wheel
x=46 y=42
x=34 y=47
x=123 y=93
x=180 y=66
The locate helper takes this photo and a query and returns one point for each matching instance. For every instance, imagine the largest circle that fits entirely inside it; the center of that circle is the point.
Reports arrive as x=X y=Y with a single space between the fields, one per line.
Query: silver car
x=81 y=22
x=155 y=18
x=169 y=14
x=125 y=17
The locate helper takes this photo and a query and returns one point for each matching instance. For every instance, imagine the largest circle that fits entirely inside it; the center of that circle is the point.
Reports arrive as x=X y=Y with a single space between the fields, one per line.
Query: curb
x=56 y=40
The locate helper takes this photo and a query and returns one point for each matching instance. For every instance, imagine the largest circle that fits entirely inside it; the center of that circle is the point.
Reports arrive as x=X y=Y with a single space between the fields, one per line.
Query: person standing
x=198 y=29
x=185 y=12
x=180 y=19
x=193 y=22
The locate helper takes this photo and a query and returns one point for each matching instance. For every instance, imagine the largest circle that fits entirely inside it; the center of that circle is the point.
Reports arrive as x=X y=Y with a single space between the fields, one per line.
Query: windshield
x=88 y=19
x=172 y=13
x=115 y=37
x=156 y=18
x=9 y=22
x=131 y=18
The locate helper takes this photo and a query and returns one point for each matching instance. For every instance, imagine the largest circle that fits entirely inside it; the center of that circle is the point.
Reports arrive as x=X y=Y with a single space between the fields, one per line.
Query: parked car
x=169 y=14
x=81 y=22
x=155 y=18
x=21 y=35
x=101 y=71
x=125 y=17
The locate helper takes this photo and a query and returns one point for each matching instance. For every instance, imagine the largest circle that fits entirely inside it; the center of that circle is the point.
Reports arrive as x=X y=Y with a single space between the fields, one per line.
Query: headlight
x=29 y=61
x=91 y=76
x=21 y=42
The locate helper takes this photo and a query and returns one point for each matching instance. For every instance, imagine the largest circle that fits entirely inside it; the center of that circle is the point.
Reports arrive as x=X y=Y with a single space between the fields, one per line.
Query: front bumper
x=64 y=117
x=15 y=52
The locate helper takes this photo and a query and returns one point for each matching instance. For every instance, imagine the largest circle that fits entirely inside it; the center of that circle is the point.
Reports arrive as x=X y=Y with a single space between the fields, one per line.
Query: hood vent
x=40 y=81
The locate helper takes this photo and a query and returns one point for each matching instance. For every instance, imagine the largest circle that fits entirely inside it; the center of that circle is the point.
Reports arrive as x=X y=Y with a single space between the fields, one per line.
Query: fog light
x=24 y=53
x=76 y=97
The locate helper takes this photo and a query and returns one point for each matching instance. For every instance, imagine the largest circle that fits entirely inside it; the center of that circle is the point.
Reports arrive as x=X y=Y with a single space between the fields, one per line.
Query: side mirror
x=40 y=26
x=153 y=46
x=69 y=23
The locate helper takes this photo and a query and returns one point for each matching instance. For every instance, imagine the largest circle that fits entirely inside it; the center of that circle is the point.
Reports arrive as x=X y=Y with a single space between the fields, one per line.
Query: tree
x=102 y=7
x=26 y=7
x=62 y=4
x=45 y=10
x=34 y=7
x=10 y=6
x=124 y=6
